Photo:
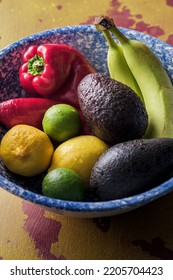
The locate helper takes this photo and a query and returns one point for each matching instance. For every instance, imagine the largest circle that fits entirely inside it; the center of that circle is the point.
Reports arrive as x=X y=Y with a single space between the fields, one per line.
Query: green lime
x=63 y=183
x=61 y=122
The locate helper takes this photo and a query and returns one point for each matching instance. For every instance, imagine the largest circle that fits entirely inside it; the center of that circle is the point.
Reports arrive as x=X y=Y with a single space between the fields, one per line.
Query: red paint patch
x=40 y=20
x=1 y=258
x=124 y=18
x=121 y=18
x=59 y=7
x=152 y=30
x=169 y=3
x=138 y=16
x=90 y=20
x=170 y=39
x=43 y=231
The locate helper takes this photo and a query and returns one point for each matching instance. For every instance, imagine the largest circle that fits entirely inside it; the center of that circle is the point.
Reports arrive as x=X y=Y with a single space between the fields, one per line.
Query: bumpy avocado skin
x=113 y=111
x=132 y=167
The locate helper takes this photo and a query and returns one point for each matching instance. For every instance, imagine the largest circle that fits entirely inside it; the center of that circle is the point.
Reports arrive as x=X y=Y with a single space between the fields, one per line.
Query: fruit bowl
x=93 y=46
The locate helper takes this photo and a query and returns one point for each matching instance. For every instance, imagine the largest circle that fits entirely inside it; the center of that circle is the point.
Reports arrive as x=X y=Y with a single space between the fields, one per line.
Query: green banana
x=153 y=80
x=117 y=65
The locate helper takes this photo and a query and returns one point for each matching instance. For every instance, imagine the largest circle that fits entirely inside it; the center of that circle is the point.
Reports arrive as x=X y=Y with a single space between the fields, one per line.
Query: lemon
x=61 y=122
x=63 y=183
x=26 y=150
x=79 y=154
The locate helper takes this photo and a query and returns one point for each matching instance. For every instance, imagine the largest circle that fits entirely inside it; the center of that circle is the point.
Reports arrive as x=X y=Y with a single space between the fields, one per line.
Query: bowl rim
x=101 y=206
x=38 y=35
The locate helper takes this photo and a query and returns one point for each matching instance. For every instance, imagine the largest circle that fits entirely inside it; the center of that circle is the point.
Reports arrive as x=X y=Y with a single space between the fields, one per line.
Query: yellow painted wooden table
x=29 y=232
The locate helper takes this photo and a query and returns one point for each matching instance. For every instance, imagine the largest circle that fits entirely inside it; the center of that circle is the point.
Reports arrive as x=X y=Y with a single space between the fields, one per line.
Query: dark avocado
x=113 y=110
x=132 y=167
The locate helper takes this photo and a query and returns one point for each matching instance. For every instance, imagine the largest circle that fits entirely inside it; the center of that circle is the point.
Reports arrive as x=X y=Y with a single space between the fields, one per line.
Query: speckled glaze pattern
x=92 y=45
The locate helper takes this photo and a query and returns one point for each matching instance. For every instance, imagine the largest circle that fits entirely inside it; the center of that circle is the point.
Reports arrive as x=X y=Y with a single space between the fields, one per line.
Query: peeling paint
x=169 y=3
x=155 y=248
x=123 y=17
x=170 y=39
x=59 y=7
x=152 y=30
x=43 y=231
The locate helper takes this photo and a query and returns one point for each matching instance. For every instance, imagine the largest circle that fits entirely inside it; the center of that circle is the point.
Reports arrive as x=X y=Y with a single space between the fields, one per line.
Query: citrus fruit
x=63 y=183
x=26 y=150
x=79 y=154
x=61 y=122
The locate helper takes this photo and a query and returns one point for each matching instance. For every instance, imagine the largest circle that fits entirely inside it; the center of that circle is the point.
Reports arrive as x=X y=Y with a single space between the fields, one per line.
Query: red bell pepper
x=53 y=70
x=24 y=111
x=30 y=111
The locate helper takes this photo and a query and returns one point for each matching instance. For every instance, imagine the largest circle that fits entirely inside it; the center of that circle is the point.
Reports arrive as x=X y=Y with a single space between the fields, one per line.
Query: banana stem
x=109 y=39
x=106 y=23
x=120 y=36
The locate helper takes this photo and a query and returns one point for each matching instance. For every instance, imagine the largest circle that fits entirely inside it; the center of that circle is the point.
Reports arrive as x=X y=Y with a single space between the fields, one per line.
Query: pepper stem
x=36 y=65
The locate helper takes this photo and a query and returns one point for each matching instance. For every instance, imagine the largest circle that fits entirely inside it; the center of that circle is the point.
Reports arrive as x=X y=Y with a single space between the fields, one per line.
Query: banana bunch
x=133 y=63
x=117 y=65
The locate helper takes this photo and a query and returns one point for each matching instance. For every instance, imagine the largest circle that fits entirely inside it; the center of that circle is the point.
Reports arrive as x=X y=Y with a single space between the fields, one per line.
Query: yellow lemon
x=79 y=154
x=26 y=150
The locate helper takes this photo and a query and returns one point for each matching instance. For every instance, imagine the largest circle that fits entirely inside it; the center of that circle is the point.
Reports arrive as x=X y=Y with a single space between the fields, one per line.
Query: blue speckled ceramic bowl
x=92 y=45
